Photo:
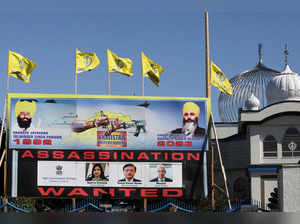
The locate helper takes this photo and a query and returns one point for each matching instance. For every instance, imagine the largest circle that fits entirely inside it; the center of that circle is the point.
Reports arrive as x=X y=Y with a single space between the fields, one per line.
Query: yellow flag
x=86 y=61
x=151 y=69
x=19 y=66
x=219 y=80
x=117 y=64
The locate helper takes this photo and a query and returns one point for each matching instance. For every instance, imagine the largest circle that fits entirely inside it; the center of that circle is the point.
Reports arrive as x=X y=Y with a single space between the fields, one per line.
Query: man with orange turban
x=190 y=128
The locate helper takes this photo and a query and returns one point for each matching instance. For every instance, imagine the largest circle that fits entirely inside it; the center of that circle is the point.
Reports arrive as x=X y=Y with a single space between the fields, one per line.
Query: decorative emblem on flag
x=119 y=63
x=154 y=67
x=220 y=76
x=151 y=69
x=87 y=60
x=21 y=64
x=219 y=80
x=20 y=67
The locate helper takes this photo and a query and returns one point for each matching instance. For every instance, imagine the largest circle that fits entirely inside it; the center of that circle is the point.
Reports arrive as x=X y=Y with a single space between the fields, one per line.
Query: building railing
x=97 y=205
x=246 y=206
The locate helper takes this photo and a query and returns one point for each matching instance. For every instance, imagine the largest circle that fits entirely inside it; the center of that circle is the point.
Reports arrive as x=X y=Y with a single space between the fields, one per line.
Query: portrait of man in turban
x=24 y=111
x=190 y=128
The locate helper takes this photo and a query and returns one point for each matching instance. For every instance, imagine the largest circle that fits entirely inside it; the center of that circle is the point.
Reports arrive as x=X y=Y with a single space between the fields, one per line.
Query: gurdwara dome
x=284 y=87
x=244 y=84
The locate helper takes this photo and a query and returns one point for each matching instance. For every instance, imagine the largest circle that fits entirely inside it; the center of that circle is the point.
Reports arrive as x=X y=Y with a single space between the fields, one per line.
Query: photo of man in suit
x=161 y=175
x=129 y=171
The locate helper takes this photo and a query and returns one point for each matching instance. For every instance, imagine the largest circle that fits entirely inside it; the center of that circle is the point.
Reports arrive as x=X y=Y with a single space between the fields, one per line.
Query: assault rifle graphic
x=115 y=124
x=110 y=122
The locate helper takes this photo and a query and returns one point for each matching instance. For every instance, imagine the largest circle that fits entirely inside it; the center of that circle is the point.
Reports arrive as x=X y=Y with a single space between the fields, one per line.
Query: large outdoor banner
x=95 y=146
x=66 y=122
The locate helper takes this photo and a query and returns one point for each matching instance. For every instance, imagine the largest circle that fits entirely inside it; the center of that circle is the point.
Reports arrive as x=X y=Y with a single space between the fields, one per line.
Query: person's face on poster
x=97 y=172
x=129 y=172
x=189 y=116
x=161 y=172
x=24 y=119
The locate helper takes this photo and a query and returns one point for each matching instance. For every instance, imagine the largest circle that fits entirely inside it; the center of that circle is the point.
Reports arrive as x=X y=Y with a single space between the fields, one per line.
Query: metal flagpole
x=108 y=74
x=143 y=90
x=143 y=94
x=2 y=158
x=2 y=128
x=6 y=139
x=143 y=81
x=75 y=72
x=108 y=83
x=75 y=83
x=208 y=96
x=208 y=91
x=143 y=84
x=221 y=162
x=212 y=179
x=73 y=199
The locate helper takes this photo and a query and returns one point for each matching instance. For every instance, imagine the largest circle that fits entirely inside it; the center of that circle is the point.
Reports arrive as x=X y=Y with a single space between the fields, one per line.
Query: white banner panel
x=109 y=174
x=60 y=173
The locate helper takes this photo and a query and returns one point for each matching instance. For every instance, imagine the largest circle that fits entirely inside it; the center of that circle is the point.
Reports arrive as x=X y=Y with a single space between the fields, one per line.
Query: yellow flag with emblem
x=19 y=66
x=219 y=80
x=117 y=64
x=151 y=69
x=86 y=61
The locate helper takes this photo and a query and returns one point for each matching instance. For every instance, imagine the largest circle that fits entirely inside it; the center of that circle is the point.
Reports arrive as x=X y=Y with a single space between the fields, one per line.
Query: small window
x=291 y=143
x=270 y=147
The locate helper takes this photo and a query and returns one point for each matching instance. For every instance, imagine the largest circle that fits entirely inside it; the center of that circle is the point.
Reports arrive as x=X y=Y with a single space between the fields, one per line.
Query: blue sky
x=169 y=32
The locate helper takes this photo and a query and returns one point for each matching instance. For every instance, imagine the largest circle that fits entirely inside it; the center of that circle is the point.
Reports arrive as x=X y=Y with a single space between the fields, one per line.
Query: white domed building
x=284 y=87
x=260 y=137
x=252 y=81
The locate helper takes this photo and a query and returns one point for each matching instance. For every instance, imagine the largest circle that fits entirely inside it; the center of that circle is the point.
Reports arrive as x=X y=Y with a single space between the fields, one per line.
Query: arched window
x=270 y=146
x=291 y=143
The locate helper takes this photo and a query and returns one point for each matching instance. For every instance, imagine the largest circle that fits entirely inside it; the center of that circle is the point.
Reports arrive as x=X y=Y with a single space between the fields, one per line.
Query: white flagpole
x=143 y=81
x=2 y=157
x=143 y=85
x=108 y=73
x=6 y=138
x=2 y=127
x=108 y=83
x=208 y=95
x=75 y=83
x=73 y=199
x=75 y=73
x=221 y=161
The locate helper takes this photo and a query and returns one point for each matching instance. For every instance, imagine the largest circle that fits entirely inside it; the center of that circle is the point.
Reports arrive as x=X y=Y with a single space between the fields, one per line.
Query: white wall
x=289 y=188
